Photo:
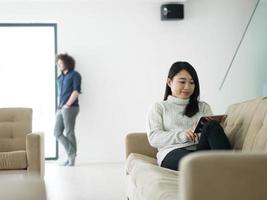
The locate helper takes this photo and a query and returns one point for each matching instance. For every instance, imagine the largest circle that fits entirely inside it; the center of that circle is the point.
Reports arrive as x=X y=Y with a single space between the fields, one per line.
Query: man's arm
x=74 y=95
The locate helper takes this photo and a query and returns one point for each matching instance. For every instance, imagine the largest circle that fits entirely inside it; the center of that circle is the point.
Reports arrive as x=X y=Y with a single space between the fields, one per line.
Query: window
x=28 y=74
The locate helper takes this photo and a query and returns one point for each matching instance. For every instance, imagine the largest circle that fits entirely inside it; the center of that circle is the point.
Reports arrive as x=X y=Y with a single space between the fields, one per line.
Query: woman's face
x=61 y=65
x=182 y=85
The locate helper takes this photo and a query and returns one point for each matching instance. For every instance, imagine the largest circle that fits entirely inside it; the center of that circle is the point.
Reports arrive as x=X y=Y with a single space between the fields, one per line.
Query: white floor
x=85 y=181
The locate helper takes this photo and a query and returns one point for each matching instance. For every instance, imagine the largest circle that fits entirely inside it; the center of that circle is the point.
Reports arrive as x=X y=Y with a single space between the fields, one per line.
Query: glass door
x=28 y=74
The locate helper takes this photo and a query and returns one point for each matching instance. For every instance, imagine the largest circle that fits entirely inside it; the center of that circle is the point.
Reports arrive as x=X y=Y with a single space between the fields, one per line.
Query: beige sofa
x=21 y=152
x=25 y=187
x=240 y=174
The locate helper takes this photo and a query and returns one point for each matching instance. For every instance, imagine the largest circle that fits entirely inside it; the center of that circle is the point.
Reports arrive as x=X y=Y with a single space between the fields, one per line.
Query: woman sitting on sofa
x=170 y=123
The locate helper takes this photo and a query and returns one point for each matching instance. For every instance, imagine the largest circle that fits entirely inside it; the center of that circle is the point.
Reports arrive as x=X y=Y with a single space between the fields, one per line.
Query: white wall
x=124 y=51
x=248 y=73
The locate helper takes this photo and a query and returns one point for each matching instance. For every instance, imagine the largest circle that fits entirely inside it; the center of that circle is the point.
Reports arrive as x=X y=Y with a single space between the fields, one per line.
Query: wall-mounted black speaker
x=172 y=11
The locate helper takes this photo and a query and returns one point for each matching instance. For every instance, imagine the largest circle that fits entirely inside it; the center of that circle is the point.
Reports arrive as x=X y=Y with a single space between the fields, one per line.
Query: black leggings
x=212 y=137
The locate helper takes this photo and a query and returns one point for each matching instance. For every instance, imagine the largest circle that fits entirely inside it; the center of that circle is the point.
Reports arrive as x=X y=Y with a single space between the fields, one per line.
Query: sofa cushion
x=15 y=124
x=238 y=121
x=256 y=139
x=246 y=125
x=135 y=159
x=152 y=181
x=13 y=160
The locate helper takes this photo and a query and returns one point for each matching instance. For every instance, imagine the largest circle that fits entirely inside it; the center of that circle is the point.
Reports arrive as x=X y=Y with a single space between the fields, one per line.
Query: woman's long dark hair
x=192 y=107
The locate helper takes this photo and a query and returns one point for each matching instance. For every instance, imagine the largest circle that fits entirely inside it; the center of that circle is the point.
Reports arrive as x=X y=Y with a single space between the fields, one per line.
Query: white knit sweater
x=166 y=125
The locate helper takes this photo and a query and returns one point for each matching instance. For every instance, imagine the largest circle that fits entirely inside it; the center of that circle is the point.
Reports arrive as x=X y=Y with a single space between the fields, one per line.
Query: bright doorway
x=28 y=75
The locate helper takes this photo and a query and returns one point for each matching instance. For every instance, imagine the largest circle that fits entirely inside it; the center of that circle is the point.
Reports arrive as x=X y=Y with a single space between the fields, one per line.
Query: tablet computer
x=203 y=120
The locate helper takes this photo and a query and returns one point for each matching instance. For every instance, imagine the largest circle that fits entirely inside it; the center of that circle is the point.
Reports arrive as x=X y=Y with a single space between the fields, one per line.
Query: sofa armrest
x=35 y=153
x=223 y=175
x=138 y=143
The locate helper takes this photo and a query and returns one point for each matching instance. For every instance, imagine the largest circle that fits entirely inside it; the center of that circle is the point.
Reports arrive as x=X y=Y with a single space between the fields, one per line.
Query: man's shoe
x=71 y=161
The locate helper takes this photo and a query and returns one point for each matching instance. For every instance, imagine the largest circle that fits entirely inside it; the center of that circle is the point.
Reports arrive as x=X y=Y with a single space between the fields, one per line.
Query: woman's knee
x=211 y=125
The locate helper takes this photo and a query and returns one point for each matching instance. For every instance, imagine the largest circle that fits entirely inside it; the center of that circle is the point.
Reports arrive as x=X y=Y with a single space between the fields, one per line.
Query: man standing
x=69 y=89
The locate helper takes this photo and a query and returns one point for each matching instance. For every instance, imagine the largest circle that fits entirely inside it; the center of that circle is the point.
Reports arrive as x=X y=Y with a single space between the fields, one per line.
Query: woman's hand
x=191 y=136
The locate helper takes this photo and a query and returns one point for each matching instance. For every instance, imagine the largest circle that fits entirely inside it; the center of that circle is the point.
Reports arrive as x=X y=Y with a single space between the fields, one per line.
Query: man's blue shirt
x=66 y=84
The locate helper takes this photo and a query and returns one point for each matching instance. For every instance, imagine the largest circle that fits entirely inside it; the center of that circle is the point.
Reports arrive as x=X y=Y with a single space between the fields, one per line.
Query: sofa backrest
x=138 y=143
x=246 y=125
x=15 y=124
